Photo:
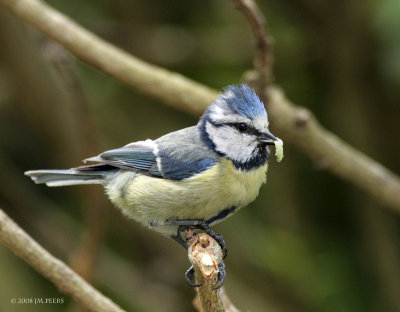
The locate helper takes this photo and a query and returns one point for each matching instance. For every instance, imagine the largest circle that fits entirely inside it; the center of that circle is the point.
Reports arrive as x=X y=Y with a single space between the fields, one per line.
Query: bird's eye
x=242 y=127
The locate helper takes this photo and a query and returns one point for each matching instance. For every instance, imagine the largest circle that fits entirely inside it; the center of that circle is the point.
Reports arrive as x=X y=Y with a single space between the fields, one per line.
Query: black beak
x=267 y=138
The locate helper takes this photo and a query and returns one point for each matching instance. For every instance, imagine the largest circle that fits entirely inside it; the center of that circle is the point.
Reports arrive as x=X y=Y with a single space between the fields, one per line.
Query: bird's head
x=236 y=127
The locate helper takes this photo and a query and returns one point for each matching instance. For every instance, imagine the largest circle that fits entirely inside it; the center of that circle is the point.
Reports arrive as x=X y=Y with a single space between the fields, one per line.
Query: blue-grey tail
x=66 y=177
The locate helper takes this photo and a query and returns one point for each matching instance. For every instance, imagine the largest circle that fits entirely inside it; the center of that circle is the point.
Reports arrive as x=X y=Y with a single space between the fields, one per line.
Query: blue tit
x=190 y=178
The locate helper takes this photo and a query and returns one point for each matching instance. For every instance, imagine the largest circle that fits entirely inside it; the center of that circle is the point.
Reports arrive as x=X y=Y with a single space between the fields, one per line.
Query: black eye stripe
x=250 y=130
x=242 y=127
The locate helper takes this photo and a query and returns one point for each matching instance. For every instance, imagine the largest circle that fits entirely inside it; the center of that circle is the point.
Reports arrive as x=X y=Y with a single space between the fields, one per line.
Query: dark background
x=310 y=242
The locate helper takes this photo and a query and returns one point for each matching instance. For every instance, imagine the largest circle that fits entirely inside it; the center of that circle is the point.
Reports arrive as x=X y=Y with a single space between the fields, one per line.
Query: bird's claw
x=221 y=242
x=183 y=225
x=221 y=275
x=189 y=276
x=202 y=225
x=217 y=236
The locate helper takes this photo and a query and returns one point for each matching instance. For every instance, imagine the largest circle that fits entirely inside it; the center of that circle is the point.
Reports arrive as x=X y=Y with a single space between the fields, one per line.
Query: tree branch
x=170 y=88
x=53 y=269
x=205 y=254
x=292 y=123
x=263 y=58
x=329 y=152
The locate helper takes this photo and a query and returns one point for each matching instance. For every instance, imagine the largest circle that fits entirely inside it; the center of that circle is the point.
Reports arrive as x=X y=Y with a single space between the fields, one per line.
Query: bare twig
x=53 y=269
x=205 y=254
x=263 y=58
x=226 y=302
x=296 y=124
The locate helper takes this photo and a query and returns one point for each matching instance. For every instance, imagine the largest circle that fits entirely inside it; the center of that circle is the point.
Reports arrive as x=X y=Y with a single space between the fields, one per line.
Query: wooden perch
x=205 y=254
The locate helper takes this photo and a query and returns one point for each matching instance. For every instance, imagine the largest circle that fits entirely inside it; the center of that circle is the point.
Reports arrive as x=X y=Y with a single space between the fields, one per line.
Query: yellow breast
x=202 y=196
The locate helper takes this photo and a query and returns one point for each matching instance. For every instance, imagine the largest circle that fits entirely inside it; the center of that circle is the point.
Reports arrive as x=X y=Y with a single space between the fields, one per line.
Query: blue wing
x=153 y=159
x=130 y=158
x=176 y=169
x=138 y=156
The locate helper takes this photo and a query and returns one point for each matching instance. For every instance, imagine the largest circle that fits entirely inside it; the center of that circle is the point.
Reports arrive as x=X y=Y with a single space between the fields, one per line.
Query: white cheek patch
x=228 y=141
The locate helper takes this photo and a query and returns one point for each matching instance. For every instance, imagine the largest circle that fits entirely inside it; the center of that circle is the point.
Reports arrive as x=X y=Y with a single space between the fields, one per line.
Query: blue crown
x=243 y=100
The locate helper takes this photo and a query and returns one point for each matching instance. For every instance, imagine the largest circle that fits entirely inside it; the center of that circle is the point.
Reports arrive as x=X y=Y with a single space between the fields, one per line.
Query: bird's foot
x=190 y=273
x=186 y=226
x=221 y=274
x=218 y=237
x=183 y=225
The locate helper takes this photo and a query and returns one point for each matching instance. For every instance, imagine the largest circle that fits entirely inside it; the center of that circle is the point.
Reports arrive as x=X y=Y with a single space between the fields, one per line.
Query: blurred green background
x=310 y=242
